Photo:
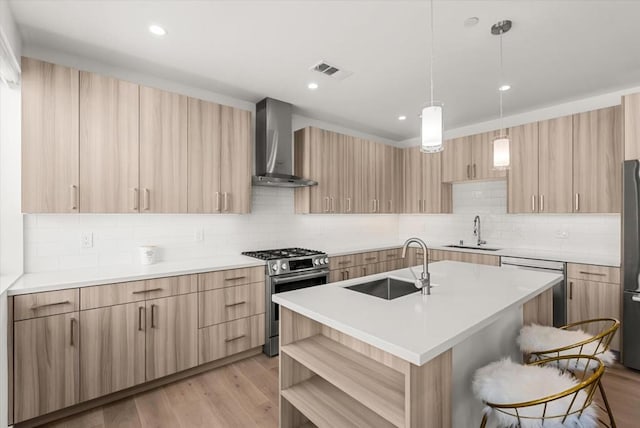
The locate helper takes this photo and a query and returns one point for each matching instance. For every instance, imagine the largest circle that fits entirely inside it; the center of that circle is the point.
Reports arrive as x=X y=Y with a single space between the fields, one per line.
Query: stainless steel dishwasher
x=559 y=290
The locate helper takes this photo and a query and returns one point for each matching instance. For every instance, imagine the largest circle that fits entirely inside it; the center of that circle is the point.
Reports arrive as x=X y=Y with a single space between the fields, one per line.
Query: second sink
x=472 y=247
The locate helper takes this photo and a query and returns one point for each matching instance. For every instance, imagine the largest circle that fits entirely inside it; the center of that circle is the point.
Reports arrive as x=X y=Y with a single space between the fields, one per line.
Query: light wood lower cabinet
x=172 y=335
x=227 y=304
x=46 y=355
x=229 y=338
x=113 y=349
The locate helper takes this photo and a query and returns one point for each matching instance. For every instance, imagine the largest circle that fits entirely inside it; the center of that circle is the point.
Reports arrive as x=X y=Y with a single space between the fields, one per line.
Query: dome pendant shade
x=501 y=155
x=431 y=129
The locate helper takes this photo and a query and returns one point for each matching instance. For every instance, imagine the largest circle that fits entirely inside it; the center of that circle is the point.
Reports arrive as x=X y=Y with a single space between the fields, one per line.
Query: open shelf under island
x=349 y=359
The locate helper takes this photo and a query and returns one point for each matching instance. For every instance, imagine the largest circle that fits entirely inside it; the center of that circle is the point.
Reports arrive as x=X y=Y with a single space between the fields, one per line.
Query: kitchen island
x=352 y=359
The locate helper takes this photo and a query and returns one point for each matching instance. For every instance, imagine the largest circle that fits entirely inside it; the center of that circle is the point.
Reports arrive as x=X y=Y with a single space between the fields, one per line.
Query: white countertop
x=466 y=298
x=560 y=256
x=46 y=281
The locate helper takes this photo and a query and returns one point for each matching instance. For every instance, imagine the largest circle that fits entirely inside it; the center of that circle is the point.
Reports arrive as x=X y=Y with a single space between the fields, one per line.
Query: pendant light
x=431 y=141
x=501 y=153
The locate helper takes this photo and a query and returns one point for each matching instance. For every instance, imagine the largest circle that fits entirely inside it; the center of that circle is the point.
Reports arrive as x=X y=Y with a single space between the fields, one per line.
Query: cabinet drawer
x=230 y=278
x=100 y=296
x=369 y=258
x=226 y=339
x=171 y=286
x=231 y=303
x=594 y=273
x=341 y=262
x=387 y=255
x=36 y=305
x=345 y=274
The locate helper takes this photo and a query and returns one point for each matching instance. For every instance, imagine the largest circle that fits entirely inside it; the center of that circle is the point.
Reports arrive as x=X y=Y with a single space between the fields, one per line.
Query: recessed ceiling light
x=470 y=22
x=313 y=86
x=402 y=117
x=504 y=88
x=157 y=30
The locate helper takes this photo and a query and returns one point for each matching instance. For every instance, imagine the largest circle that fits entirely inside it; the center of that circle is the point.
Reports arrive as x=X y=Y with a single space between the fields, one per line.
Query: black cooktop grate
x=283 y=253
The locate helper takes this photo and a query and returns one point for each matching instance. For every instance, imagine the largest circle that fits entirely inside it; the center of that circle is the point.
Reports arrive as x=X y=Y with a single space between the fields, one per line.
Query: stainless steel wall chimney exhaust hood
x=274 y=146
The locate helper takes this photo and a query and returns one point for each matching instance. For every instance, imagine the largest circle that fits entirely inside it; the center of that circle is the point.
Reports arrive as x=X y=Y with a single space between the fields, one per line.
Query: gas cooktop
x=283 y=253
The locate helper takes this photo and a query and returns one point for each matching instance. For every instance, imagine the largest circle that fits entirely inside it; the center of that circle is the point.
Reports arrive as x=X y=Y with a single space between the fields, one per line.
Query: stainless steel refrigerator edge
x=631 y=264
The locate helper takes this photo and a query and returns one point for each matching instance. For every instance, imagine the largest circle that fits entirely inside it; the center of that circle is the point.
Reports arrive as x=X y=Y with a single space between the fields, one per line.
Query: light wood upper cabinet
x=311 y=148
x=50 y=172
x=204 y=157
x=108 y=145
x=113 y=349
x=350 y=159
x=482 y=157
x=163 y=151
x=556 y=165
x=235 y=158
x=386 y=178
x=597 y=161
x=631 y=117
x=172 y=335
x=456 y=160
x=523 y=174
x=46 y=365
x=422 y=181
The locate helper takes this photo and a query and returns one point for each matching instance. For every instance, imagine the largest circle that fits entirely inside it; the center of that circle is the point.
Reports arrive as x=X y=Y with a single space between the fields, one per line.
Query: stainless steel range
x=288 y=269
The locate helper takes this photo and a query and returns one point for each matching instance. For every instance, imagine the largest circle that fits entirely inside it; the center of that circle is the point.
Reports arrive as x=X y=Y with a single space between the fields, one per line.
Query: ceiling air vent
x=331 y=70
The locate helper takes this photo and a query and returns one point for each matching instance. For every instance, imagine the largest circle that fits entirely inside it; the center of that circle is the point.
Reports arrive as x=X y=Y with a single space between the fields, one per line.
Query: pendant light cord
x=500 y=84
x=431 y=51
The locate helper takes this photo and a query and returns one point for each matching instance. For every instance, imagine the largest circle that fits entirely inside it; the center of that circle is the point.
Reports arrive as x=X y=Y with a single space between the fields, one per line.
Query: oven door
x=290 y=282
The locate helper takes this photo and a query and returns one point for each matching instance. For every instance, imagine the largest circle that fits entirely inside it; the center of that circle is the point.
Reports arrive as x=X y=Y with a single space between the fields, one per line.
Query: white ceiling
x=557 y=51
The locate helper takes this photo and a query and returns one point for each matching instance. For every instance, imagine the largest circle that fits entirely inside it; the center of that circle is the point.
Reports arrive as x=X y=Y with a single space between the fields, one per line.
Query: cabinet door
x=112 y=357
x=556 y=165
x=631 y=109
x=597 y=161
x=203 y=195
x=456 y=160
x=413 y=196
x=360 y=171
x=369 y=177
x=310 y=148
x=163 y=151
x=385 y=178
x=589 y=300
x=236 y=160
x=431 y=182
x=108 y=145
x=349 y=181
x=46 y=352
x=50 y=150
x=333 y=158
x=172 y=335
x=522 y=181
x=482 y=157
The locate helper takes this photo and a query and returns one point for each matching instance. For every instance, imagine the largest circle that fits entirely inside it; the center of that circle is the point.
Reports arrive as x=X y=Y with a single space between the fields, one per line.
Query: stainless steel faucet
x=424 y=282
x=477 y=230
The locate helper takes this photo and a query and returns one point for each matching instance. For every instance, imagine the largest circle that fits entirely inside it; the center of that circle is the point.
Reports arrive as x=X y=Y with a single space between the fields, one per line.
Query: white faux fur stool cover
x=538 y=338
x=505 y=382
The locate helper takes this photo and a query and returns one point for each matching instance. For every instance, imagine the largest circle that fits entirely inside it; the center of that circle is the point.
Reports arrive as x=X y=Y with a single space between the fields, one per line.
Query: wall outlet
x=562 y=234
x=86 y=240
x=199 y=235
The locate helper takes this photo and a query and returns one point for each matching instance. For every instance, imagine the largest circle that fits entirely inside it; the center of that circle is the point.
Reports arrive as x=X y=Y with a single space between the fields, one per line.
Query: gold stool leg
x=606 y=404
x=484 y=421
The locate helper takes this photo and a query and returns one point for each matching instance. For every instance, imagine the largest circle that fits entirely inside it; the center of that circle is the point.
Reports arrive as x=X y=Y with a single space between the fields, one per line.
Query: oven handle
x=277 y=280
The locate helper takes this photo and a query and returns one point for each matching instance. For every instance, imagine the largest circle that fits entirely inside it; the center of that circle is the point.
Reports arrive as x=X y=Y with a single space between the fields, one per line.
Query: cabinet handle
x=468 y=171
x=364 y=271
x=474 y=171
x=235 y=338
x=419 y=205
x=333 y=207
x=136 y=205
x=577 y=201
x=44 y=305
x=344 y=275
x=368 y=259
x=147 y=291
x=146 y=199
x=73 y=321
x=234 y=278
x=217 y=201
x=140 y=317
x=230 y=305
x=348 y=274
x=570 y=290
x=541 y=203
x=348 y=205
x=390 y=205
x=346 y=262
x=225 y=206
x=592 y=273
x=326 y=204
x=153 y=316
x=74 y=196
x=533 y=203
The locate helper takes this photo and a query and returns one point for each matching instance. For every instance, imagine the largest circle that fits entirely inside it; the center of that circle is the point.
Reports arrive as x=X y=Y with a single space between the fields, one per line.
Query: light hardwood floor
x=245 y=394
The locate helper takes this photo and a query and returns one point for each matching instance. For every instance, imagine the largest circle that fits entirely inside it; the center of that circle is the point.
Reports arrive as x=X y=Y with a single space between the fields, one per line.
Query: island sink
x=386 y=288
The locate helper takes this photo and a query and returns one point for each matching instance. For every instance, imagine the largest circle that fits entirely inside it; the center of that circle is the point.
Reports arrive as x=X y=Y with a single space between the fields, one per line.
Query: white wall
x=578 y=233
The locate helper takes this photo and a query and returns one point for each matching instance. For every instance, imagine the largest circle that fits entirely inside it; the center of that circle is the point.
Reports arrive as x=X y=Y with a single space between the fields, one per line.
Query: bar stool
x=545 y=393
x=543 y=342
